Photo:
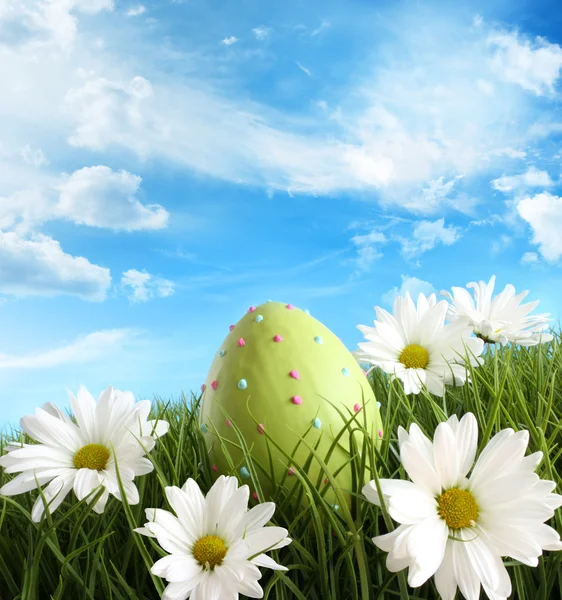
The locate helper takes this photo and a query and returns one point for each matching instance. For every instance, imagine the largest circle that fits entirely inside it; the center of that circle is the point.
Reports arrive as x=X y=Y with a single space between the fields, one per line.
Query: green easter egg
x=285 y=370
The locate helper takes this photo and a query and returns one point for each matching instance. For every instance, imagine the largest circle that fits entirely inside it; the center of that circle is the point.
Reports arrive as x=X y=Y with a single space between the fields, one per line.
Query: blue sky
x=165 y=165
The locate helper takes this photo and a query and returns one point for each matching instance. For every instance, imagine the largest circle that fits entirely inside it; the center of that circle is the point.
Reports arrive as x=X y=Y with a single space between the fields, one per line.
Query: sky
x=165 y=165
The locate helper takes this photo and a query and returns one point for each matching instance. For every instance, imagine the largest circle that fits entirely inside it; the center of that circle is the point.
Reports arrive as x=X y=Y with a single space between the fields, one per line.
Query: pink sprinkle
x=357 y=407
x=296 y=400
x=214 y=384
x=252 y=309
x=255 y=496
x=289 y=307
x=291 y=472
x=380 y=432
x=277 y=338
x=261 y=428
x=215 y=468
x=228 y=423
x=366 y=373
x=294 y=374
x=241 y=342
x=203 y=386
x=326 y=480
x=231 y=327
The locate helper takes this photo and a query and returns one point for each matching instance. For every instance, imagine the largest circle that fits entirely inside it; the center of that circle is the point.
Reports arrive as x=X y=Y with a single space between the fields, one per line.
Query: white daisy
x=79 y=455
x=503 y=319
x=216 y=544
x=416 y=346
x=457 y=528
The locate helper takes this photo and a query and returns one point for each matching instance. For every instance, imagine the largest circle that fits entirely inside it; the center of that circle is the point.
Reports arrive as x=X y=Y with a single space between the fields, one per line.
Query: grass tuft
x=78 y=554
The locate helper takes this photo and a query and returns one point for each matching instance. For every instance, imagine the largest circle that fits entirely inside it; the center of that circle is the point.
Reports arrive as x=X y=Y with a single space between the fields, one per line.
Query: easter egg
x=274 y=379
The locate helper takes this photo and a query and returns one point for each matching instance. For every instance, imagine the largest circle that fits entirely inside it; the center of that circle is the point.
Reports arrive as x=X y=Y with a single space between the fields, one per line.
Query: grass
x=77 y=554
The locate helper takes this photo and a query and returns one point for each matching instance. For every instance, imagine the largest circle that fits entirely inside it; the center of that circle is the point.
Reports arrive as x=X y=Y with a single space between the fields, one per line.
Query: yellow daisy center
x=92 y=456
x=458 y=508
x=209 y=549
x=414 y=357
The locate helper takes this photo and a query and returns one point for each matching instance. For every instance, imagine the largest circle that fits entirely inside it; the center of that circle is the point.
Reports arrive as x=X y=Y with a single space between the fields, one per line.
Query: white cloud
x=367 y=250
x=426 y=235
x=261 y=32
x=544 y=129
x=533 y=68
x=34 y=158
x=54 y=19
x=228 y=41
x=110 y=110
x=135 y=11
x=533 y=177
x=530 y=258
x=412 y=285
x=303 y=69
x=88 y=349
x=25 y=210
x=509 y=152
x=543 y=212
x=92 y=196
x=500 y=244
x=322 y=27
x=434 y=195
x=374 y=141
x=39 y=267
x=100 y=197
x=143 y=286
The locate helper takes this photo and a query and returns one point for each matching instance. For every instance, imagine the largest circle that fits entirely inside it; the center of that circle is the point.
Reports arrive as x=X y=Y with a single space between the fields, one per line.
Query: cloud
x=261 y=32
x=303 y=69
x=100 y=197
x=322 y=27
x=434 y=195
x=109 y=110
x=533 y=177
x=39 y=267
x=367 y=251
x=373 y=142
x=543 y=212
x=217 y=136
x=55 y=19
x=530 y=258
x=509 y=152
x=229 y=41
x=533 y=68
x=34 y=158
x=426 y=235
x=501 y=244
x=25 y=210
x=90 y=348
x=143 y=286
x=135 y=11
x=93 y=196
x=545 y=128
x=412 y=285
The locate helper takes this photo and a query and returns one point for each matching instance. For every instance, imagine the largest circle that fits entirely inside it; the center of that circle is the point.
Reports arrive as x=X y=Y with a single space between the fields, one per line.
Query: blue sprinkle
x=378 y=404
x=222 y=352
x=345 y=372
x=307 y=311
x=244 y=473
x=335 y=506
x=317 y=423
x=204 y=428
x=242 y=384
x=318 y=340
x=259 y=318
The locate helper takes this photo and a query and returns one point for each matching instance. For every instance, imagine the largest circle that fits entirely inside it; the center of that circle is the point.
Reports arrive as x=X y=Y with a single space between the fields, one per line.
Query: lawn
x=76 y=553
